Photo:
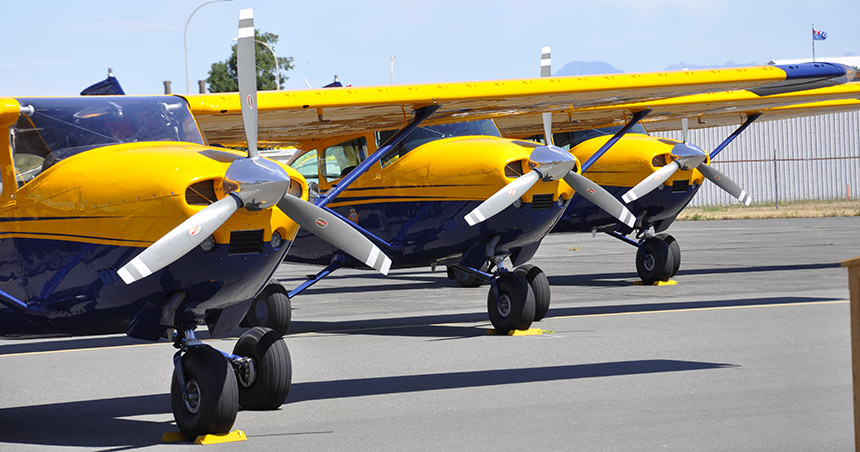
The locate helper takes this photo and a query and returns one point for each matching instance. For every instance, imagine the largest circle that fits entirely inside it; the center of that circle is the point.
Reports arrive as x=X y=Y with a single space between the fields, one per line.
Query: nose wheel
x=511 y=303
x=210 y=399
x=658 y=258
x=208 y=386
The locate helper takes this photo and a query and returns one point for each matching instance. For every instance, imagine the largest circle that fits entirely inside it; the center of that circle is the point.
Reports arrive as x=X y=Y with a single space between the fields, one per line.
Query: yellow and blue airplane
x=120 y=215
x=657 y=177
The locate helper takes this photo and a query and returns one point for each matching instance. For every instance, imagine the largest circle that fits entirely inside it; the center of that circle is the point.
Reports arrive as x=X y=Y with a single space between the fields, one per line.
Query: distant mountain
x=682 y=65
x=587 y=68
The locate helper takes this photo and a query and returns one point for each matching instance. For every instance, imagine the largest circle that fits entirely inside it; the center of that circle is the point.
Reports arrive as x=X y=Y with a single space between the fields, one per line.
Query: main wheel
x=540 y=286
x=272 y=368
x=271 y=309
x=653 y=261
x=212 y=401
x=511 y=303
x=674 y=252
x=465 y=279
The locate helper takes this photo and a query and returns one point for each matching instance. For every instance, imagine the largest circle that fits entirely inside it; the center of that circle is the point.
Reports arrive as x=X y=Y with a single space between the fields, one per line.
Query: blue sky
x=60 y=47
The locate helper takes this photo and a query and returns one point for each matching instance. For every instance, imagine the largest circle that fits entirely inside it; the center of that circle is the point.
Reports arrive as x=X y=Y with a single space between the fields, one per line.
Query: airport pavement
x=749 y=351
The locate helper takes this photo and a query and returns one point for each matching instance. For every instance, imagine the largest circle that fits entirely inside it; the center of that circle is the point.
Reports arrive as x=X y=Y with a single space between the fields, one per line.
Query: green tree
x=223 y=74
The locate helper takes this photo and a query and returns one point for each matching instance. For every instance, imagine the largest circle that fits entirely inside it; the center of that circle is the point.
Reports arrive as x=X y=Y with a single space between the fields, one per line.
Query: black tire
x=273 y=367
x=213 y=395
x=465 y=279
x=271 y=309
x=511 y=303
x=540 y=287
x=674 y=252
x=653 y=261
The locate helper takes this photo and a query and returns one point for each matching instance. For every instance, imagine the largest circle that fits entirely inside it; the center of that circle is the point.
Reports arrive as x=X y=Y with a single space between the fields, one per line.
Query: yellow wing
x=293 y=117
x=703 y=110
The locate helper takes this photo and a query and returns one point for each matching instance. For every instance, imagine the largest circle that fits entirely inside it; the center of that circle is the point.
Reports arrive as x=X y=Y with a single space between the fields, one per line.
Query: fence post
x=853 y=266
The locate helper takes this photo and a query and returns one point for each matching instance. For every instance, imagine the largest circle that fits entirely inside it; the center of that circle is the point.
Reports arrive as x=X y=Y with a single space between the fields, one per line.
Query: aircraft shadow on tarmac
x=110 y=424
x=71 y=343
x=320 y=390
x=102 y=424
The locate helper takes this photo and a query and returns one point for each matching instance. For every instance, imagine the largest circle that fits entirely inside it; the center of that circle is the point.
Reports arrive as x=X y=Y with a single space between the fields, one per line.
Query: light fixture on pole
x=187 y=71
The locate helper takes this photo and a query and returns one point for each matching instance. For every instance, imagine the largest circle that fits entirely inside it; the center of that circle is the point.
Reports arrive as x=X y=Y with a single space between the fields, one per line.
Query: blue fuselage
x=428 y=232
x=71 y=287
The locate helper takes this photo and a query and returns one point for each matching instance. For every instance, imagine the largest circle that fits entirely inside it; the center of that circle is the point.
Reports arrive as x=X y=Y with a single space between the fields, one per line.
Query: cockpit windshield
x=423 y=135
x=568 y=140
x=61 y=127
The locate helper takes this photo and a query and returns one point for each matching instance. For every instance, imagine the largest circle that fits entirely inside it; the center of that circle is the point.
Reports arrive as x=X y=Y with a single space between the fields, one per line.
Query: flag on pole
x=819 y=35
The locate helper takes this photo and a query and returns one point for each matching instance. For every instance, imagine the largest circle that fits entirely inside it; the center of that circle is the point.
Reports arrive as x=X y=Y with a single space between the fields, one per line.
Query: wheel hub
x=192 y=397
x=504 y=306
x=261 y=311
x=649 y=262
x=246 y=373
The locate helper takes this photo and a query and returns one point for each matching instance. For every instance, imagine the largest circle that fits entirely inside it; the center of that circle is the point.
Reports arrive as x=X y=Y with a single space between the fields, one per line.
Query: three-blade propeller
x=686 y=156
x=261 y=184
x=550 y=163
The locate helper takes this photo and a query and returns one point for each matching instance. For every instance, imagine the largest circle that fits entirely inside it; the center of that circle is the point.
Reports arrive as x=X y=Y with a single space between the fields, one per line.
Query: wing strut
x=735 y=134
x=420 y=115
x=633 y=121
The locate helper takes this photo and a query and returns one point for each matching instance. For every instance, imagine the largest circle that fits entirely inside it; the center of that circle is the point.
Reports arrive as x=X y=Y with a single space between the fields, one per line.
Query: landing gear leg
x=465 y=279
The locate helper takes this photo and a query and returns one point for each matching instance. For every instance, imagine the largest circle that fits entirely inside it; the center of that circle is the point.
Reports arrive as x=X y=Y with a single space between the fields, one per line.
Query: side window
x=342 y=158
x=306 y=165
x=28 y=150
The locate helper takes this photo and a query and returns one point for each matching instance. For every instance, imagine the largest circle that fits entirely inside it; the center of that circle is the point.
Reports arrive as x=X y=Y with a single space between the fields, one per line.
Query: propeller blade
x=246 y=68
x=685 y=127
x=503 y=198
x=335 y=231
x=546 y=71
x=600 y=197
x=180 y=240
x=651 y=182
x=725 y=183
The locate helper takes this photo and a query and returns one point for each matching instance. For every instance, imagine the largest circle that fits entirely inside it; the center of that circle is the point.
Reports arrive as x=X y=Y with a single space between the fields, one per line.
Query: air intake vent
x=680 y=186
x=201 y=193
x=514 y=169
x=246 y=242
x=542 y=202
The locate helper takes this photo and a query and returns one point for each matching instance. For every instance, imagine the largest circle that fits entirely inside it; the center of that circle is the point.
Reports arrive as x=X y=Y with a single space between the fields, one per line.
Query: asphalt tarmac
x=749 y=351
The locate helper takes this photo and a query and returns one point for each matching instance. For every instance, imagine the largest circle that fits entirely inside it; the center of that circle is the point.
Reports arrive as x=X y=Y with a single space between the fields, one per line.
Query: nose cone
x=552 y=162
x=688 y=156
x=262 y=183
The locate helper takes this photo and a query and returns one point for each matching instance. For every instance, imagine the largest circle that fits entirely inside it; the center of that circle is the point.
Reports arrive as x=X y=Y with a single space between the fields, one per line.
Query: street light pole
x=277 y=68
x=187 y=71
